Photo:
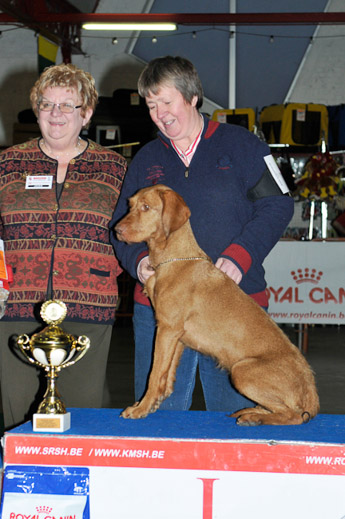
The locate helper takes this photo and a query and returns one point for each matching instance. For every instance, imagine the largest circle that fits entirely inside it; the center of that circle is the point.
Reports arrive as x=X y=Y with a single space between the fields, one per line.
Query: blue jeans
x=219 y=394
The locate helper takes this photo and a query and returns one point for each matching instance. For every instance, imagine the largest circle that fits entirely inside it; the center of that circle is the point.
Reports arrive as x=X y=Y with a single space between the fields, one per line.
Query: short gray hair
x=178 y=71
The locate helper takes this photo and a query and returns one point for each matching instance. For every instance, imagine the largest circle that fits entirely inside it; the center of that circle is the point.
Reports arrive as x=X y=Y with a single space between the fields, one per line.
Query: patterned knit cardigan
x=62 y=244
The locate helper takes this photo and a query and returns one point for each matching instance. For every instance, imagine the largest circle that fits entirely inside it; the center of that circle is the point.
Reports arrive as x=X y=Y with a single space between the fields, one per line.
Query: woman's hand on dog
x=144 y=270
x=230 y=269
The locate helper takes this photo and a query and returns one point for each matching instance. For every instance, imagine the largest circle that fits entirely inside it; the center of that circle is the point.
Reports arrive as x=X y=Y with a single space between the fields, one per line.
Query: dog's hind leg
x=261 y=416
x=167 y=354
x=278 y=392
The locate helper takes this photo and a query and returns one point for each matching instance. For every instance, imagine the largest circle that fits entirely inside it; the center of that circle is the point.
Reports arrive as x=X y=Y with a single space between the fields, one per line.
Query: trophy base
x=51 y=422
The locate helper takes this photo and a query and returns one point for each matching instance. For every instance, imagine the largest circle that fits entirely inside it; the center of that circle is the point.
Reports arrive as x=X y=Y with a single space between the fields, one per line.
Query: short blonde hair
x=67 y=76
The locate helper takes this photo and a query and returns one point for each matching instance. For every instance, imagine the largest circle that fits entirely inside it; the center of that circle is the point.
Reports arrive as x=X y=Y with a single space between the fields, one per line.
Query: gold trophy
x=52 y=349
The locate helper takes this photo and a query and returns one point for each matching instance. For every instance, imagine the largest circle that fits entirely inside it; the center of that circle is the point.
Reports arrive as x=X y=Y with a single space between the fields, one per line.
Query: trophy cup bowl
x=52 y=349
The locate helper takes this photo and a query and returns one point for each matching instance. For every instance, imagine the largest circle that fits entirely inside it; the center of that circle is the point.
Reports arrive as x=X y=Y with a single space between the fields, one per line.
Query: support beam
x=232 y=59
x=208 y=19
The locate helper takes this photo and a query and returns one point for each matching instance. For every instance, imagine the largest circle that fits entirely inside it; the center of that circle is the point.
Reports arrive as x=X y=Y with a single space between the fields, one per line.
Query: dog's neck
x=172 y=260
x=180 y=244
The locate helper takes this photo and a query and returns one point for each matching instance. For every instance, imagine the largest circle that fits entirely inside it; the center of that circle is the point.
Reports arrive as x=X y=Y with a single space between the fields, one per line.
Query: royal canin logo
x=306 y=275
x=43 y=512
x=300 y=292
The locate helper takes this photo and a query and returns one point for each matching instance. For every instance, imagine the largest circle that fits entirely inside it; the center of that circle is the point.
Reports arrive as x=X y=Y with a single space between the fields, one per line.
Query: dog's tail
x=311 y=404
x=306 y=417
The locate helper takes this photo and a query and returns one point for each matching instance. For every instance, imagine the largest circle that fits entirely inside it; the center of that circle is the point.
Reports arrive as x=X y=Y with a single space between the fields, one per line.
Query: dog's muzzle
x=120 y=232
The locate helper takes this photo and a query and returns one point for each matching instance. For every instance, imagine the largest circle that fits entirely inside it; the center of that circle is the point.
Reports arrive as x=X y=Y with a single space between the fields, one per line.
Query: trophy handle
x=82 y=345
x=23 y=342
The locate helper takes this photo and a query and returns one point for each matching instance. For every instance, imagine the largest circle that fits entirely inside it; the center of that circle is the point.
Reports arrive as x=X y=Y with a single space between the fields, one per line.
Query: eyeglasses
x=65 y=108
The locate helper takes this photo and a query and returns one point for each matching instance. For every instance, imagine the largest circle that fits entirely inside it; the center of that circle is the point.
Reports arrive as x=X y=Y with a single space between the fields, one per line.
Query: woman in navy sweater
x=239 y=210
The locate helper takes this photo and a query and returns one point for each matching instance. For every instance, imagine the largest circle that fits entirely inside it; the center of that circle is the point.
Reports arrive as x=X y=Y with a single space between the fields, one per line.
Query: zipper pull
x=186 y=173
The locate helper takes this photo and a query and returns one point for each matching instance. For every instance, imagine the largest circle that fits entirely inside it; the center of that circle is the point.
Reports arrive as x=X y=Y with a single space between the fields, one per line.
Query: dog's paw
x=143 y=408
x=133 y=412
x=247 y=421
x=248 y=417
x=241 y=412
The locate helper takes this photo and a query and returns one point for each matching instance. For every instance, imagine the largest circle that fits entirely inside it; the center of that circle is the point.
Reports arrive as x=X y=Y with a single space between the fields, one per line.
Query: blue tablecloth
x=195 y=425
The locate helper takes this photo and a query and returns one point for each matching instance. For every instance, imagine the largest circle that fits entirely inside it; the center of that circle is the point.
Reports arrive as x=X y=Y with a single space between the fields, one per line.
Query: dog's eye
x=145 y=207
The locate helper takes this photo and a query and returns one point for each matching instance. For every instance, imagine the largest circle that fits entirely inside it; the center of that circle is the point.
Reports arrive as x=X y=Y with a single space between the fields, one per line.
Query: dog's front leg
x=167 y=354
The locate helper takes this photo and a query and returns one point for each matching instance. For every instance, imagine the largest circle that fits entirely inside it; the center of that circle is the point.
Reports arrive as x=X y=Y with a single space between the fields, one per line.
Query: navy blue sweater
x=227 y=163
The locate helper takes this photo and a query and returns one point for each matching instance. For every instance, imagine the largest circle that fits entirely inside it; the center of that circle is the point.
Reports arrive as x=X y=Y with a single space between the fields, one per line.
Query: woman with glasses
x=57 y=195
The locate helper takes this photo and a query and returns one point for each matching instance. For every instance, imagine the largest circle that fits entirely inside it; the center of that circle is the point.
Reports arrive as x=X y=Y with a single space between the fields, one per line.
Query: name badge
x=39 y=182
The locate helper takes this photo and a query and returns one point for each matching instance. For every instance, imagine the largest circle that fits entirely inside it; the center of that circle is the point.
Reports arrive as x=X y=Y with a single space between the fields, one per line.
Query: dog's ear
x=175 y=211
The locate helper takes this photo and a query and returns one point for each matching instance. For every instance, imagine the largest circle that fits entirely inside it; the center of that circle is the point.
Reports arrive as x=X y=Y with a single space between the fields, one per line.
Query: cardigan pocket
x=102 y=273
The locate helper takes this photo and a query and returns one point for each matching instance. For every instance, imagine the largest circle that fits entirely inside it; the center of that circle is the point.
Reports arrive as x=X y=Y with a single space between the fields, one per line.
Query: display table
x=186 y=465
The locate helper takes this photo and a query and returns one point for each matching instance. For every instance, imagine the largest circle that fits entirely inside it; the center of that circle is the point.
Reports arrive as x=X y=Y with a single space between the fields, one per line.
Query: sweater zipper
x=187 y=168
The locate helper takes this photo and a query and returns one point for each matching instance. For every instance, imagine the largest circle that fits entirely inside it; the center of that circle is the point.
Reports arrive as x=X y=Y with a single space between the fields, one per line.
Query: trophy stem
x=51 y=403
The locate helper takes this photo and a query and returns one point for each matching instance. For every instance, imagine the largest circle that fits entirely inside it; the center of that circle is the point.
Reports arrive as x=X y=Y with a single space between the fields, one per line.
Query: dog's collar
x=193 y=258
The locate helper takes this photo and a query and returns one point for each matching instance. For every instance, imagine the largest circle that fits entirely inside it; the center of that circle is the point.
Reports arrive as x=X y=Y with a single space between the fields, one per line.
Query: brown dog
x=198 y=306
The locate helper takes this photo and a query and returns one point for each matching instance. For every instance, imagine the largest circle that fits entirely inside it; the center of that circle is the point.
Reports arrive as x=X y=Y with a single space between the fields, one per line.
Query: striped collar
x=187 y=156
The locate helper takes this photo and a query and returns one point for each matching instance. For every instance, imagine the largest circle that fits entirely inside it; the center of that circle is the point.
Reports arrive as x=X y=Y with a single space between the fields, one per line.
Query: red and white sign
x=174 y=454
x=195 y=479
x=306 y=282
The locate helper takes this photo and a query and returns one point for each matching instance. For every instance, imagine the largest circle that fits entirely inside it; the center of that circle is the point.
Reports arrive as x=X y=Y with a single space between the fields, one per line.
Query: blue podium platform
x=195 y=425
x=185 y=465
